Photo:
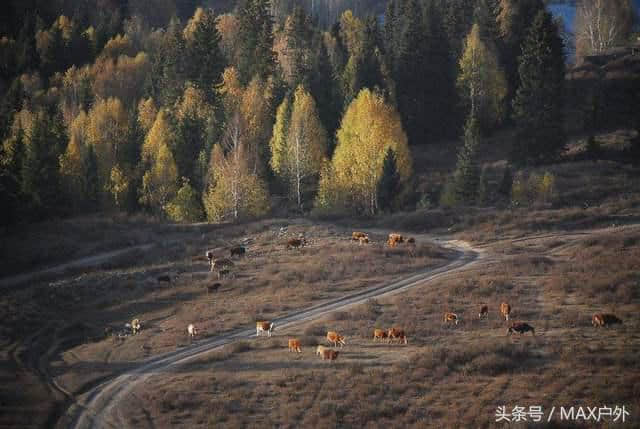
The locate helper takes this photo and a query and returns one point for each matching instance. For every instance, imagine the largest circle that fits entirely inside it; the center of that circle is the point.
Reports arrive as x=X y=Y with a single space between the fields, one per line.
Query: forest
x=224 y=111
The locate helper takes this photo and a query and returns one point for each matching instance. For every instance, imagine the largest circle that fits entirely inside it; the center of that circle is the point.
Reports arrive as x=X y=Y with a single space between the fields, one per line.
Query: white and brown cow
x=264 y=326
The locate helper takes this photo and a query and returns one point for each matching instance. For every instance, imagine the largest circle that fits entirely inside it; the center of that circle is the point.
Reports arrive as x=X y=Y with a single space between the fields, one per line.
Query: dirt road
x=99 y=406
x=89 y=261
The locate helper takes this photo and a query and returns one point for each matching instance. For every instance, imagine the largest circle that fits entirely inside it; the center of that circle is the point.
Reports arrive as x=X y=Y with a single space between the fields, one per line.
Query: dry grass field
x=64 y=315
x=556 y=263
x=447 y=376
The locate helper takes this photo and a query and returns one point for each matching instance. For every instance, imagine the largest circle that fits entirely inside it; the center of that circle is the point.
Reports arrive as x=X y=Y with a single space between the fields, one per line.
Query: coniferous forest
x=224 y=110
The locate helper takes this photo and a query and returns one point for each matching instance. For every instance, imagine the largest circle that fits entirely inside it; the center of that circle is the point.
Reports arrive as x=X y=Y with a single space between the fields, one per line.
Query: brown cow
x=505 y=310
x=484 y=312
x=335 y=339
x=379 y=334
x=363 y=240
x=264 y=326
x=521 y=328
x=600 y=320
x=294 y=345
x=397 y=334
x=296 y=243
x=394 y=239
x=357 y=235
x=451 y=318
x=330 y=355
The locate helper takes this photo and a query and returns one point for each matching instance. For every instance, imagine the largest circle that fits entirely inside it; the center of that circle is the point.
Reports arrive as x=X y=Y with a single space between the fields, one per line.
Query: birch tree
x=482 y=83
x=369 y=128
x=234 y=192
x=601 y=24
x=299 y=143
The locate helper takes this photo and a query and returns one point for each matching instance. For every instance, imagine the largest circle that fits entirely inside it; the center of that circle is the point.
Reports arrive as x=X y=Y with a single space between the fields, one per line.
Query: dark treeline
x=191 y=109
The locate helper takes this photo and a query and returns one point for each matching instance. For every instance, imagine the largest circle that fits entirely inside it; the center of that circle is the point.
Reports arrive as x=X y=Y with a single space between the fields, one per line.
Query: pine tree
x=206 y=61
x=538 y=106
x=514 y=19
x=40 y=180
x=466 y=177
x=254 y=55
x=389 y=184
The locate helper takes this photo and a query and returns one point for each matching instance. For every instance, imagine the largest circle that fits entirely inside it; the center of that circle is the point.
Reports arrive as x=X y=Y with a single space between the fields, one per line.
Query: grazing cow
x=505 y=310
x=484 y=312
x=397 y=334
x=379 y=334
x=363 y=240
x=264 y=327
x=238 y=251
x=192 y=330
x=330 y=355
x=357 y=235
x=600 y=319
x=164 y=278
x=213 y=288
x=394 y=239
x=296 y=243
x=221 y=263
x=335 y=339
x=294 y=345
x=136 y=326
x=223 y=273
x=209 y=255
x=451 y=318
x=521 y=328
x=320 y=350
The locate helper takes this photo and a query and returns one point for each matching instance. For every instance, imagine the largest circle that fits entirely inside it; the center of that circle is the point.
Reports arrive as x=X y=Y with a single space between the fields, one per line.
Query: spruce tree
x=467 y=175
x=538 y=105
x=255 y=55
x=206 y=61
x=40 y=177
x=389 y=184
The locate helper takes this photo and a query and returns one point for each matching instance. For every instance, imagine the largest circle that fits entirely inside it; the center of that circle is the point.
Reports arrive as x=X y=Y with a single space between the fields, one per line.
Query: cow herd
x=224 y=265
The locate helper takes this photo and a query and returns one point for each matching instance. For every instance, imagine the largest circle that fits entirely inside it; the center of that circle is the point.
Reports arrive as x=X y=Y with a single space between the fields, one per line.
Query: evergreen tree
x=40 y=179
x=389 y=184
x=255 y=55
x=538 y=106
x=514 y=19
x=421 y=67
x=92 y=179
x=206 y=61
x=466 y=177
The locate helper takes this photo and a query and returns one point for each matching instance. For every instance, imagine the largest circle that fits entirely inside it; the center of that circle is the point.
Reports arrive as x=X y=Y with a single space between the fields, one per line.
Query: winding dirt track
x=99 y=407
